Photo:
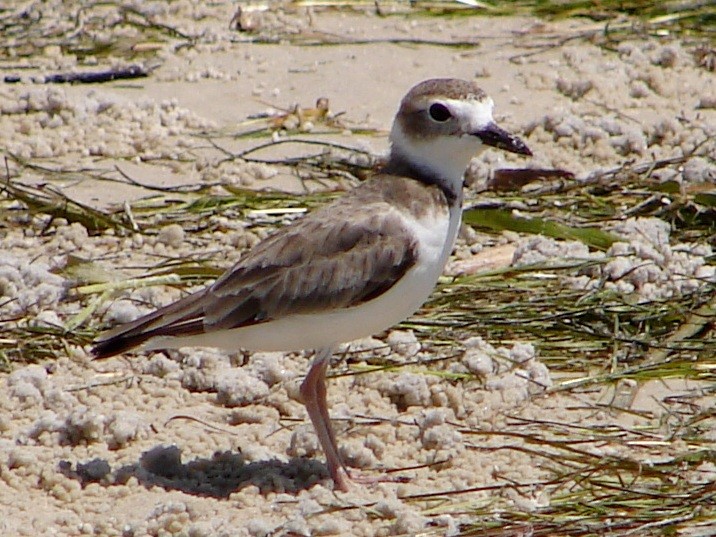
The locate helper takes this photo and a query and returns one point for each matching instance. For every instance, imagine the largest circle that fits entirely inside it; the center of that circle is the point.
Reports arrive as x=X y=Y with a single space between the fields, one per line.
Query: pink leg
x=313 y=391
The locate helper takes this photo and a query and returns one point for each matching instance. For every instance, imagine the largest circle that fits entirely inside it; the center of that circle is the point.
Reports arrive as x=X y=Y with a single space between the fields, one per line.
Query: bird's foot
x=344 y=478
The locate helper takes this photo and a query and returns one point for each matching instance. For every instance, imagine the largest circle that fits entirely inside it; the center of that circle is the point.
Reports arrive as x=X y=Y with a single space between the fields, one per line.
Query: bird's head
x=443 y=123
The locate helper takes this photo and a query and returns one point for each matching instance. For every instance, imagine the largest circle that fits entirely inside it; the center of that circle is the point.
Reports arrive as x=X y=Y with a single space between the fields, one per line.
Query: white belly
x=320 y=330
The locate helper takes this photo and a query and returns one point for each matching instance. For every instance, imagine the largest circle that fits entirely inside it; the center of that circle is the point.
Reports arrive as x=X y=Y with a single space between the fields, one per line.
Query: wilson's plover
x=350 y=269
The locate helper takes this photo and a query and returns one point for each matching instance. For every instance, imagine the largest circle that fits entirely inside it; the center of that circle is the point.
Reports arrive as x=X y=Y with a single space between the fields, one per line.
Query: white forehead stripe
x=473 y=114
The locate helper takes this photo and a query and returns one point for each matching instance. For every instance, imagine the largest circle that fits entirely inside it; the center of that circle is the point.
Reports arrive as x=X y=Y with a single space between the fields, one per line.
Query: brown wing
x=319 y=264
x=346 y=253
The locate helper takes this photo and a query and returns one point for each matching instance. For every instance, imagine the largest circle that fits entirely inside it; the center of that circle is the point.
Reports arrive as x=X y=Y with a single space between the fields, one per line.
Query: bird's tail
x=182 y=318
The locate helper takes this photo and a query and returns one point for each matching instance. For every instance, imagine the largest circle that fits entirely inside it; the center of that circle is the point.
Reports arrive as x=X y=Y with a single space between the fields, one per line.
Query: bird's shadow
x=217 y=477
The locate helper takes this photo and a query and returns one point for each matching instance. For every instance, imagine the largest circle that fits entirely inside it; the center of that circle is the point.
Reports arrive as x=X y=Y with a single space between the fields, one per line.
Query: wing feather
x=319 y=265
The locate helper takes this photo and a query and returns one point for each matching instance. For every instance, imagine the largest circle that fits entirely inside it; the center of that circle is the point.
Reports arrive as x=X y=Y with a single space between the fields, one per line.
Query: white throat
x=443 y=158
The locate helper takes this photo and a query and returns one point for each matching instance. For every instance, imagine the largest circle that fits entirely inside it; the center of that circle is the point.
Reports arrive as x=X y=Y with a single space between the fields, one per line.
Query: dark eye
x=439 y=112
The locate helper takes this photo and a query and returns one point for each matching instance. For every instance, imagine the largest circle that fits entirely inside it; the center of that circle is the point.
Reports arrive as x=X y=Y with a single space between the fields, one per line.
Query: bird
x=350 y=269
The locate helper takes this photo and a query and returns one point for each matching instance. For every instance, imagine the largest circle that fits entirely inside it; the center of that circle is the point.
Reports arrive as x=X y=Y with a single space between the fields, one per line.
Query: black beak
x=494 y=136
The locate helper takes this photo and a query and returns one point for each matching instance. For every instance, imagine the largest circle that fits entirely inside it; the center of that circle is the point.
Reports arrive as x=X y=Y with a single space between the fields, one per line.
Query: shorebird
x=350 y=269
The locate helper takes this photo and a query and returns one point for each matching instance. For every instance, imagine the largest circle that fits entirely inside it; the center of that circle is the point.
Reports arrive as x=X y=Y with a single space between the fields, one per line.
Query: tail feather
x=182 y=318
x=117 y=345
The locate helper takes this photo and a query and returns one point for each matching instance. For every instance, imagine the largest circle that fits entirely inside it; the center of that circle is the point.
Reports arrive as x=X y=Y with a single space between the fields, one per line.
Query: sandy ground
x=91 y=448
